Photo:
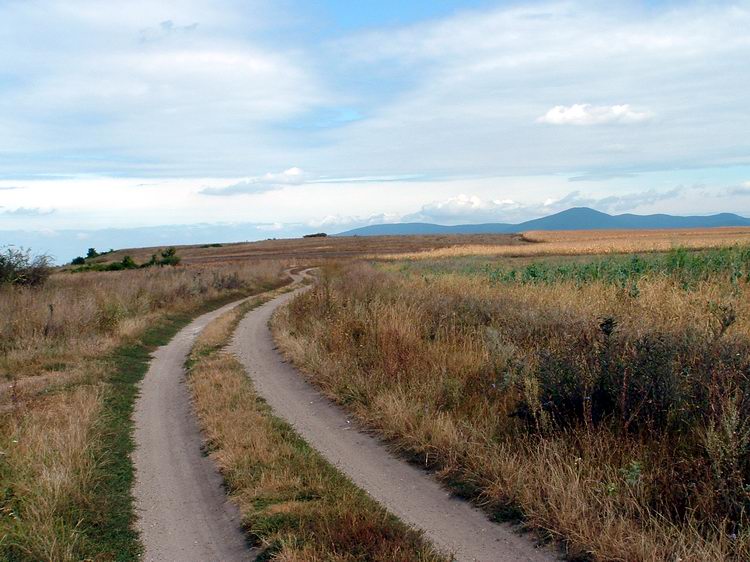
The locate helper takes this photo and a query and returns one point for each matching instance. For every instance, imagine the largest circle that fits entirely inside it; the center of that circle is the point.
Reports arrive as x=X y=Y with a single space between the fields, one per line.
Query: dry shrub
x=614 y=421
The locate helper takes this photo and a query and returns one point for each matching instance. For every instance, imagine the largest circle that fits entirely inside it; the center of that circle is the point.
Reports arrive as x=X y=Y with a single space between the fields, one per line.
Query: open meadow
x=595 y=390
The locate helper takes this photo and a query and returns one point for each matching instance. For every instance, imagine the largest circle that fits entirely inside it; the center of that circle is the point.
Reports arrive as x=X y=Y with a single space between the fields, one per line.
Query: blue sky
x=273 y=118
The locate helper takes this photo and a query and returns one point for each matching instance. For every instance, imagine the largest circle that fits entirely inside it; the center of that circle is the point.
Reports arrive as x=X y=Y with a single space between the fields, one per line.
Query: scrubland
x=71 y=352
x=294 y=505
x=604 y=401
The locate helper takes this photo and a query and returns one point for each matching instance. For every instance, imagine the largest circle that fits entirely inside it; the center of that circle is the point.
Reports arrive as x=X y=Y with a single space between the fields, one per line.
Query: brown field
x=588 y=242
x=309 y=250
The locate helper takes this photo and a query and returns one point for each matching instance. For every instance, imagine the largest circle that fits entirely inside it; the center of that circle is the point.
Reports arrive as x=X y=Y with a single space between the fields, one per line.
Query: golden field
x=588 y=242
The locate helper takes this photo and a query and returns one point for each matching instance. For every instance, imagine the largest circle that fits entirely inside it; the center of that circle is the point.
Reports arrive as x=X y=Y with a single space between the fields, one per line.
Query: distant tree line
x=164 y=258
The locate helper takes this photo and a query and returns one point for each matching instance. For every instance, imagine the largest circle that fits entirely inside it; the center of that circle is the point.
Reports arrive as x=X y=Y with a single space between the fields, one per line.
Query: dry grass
x=628 y=441
x=55 y=387
x=293 y=504
x=48 y=334
x=48 y=469
x=590 y=242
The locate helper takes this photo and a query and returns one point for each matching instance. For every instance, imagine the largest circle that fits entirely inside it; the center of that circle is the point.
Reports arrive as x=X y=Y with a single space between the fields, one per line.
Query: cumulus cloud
x=473 y=209
x=740 y=190
x=587 y=114
x=340 y=221
x=463 y=208
x=612 y=203
x=260 y=184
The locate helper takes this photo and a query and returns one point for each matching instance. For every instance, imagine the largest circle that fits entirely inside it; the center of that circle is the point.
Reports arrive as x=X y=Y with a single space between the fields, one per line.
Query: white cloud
x=740 y=190
x=272 y=227
x=474 y=209
x=463 y=208
x=476 y=83
x=267 y=182
x=24 y=212
x=587 y=114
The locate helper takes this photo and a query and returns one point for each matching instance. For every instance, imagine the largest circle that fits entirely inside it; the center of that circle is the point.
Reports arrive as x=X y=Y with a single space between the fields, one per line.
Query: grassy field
x=587 y=242
x=72 y=353
x=294 y=505
x=604 y=400
x=601 y=398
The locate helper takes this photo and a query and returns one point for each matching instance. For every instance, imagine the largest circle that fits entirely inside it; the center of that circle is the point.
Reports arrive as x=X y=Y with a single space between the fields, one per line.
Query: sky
x=146 y=123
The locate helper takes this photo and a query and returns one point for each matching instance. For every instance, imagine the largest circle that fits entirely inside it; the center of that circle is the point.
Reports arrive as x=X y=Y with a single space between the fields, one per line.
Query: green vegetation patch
x=687 y=267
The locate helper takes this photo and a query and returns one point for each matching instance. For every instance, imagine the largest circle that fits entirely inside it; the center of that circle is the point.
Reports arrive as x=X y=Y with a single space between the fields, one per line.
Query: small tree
x=79 y=261
x=19 y=267
x=128 y=263
x=169 y=257
x=92 y=253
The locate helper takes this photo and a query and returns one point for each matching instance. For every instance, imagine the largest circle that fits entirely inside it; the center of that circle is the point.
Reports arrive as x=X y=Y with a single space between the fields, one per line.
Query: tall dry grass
x=50 y=331
x=54 y=373
x=615 y=420
x=48 y=471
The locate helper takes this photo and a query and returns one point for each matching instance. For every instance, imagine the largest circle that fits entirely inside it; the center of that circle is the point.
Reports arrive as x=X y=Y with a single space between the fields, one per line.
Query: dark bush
x=169 y=257
x=78 y=261
x=19 y=267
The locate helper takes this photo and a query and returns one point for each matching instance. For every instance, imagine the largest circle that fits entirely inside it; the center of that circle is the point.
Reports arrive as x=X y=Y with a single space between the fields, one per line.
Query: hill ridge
x=575 y=218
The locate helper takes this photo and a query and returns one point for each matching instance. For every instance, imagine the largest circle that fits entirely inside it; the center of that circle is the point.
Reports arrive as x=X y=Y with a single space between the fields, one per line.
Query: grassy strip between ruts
x=114 y=535
x=294 y=505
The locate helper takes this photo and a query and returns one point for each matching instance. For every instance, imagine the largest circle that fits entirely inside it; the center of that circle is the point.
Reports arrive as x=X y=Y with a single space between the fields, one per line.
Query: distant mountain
x=577 y=218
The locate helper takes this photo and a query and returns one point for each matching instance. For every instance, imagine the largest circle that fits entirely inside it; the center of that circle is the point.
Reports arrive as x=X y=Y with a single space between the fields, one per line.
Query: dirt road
x=411 y=494
x=183 y=511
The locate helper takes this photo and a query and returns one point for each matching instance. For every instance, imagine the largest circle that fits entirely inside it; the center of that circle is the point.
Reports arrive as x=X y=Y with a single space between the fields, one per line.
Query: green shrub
x=169 y=257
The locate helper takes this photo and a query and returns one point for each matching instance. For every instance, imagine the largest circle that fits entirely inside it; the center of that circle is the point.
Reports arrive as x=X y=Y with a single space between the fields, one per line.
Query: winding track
x=411 y=494
x=183 y=512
